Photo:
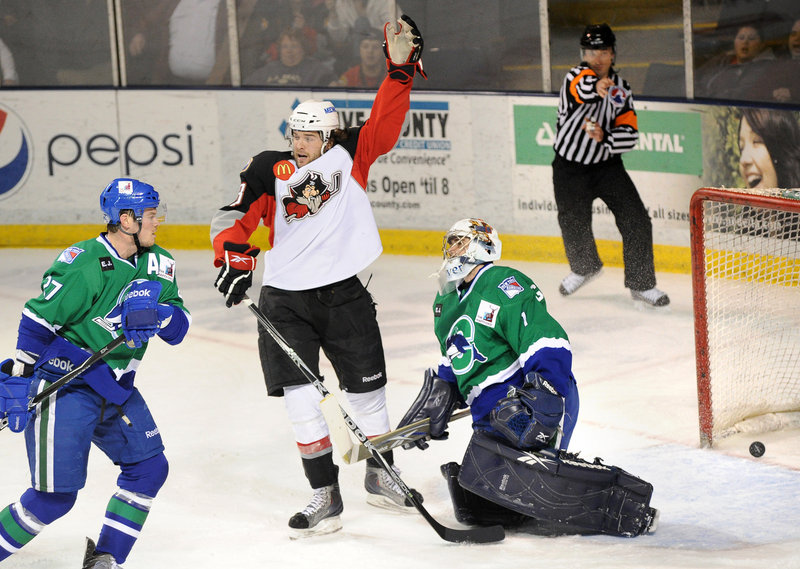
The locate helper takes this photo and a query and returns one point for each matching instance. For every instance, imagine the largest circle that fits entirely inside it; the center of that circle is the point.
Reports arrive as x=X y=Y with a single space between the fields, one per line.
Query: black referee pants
x=576 y=187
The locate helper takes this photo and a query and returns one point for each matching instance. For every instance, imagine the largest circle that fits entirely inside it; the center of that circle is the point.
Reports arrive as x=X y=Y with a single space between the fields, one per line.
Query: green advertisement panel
x=669 y=142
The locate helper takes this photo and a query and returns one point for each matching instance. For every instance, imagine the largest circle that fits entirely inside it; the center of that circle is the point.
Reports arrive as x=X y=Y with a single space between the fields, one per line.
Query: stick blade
x=488 y=534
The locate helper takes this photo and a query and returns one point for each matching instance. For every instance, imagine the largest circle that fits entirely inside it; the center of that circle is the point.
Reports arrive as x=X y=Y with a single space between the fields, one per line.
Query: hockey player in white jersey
x=322 y=233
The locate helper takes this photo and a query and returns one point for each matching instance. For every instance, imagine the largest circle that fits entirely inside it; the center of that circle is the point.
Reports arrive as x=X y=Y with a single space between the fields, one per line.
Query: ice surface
x=235 y=476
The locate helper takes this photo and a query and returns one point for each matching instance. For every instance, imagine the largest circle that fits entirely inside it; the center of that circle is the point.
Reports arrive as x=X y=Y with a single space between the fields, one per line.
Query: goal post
x=745 y=248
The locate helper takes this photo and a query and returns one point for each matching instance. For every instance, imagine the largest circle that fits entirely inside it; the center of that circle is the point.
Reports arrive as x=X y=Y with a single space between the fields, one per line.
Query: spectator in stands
x=176 y=42
x=8 y=71
x=372 y=67
x=292 y=66
x=346 y=16
x=307 y=17
x=793 y=44
x=737 y=74
x=783 y=82
x=769 y=147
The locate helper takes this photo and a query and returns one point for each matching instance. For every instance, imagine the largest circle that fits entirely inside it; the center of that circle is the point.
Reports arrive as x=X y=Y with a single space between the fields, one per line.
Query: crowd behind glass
x=740 y=50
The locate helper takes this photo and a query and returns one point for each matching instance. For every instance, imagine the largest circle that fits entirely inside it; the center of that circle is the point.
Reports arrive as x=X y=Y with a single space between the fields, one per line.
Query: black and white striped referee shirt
x=614 y=113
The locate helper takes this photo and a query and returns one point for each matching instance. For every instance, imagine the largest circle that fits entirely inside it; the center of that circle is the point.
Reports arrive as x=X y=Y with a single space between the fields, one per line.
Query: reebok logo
x=372 y=377
x=136 y=293
x=151 y=434
x=63 y=365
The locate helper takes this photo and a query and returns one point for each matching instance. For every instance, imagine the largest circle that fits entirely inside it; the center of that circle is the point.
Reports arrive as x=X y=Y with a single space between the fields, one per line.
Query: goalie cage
x=746 y=290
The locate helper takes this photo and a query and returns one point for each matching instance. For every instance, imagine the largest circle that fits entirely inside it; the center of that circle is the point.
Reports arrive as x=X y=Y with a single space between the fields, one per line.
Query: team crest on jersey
x=511 y=287
x=487 y=314
x=69 y=254
x=309 y=195
x=460 y=346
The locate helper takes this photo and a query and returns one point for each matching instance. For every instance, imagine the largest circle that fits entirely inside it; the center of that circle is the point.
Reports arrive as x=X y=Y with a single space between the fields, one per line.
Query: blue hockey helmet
x=127 y=194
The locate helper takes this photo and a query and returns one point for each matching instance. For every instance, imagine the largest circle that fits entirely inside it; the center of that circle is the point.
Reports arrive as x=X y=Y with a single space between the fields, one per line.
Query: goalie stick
x=472 y=535
x=352 y=452
x=60 y=382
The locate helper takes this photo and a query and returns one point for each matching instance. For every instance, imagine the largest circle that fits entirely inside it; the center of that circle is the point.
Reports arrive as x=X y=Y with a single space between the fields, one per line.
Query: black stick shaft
x=60 y=382
x=473 y=535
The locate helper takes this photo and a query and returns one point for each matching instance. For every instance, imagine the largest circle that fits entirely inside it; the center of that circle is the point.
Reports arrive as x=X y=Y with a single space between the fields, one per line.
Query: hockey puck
x=757 y=449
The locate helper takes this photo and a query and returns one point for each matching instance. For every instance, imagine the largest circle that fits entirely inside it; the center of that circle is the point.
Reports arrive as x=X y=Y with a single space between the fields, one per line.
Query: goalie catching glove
x=403 y=50
x=436 y=401
x=529 y=417
x=236 y=274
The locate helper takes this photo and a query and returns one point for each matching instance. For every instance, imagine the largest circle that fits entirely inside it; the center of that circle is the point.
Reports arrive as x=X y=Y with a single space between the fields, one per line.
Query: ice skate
x=321 y=516
x=383 y=492
x=650 y=297
x=94 y=560
x=574 y=281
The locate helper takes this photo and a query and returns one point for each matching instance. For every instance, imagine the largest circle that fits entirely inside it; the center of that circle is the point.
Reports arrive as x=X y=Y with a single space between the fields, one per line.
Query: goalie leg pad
x=558 y=487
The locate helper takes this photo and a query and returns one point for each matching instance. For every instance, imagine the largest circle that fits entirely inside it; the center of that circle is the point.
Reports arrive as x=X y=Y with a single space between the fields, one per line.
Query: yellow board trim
x=538 y=248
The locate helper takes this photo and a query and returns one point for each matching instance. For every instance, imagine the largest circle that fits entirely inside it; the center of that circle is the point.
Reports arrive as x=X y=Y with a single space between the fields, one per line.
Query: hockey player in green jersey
x=496 y=336
x=506 y=357
x=119 y=283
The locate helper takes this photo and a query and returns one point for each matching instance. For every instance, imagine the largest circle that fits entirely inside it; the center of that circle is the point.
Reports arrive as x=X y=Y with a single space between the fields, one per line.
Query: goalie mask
x=467 y=244
x=312 y=115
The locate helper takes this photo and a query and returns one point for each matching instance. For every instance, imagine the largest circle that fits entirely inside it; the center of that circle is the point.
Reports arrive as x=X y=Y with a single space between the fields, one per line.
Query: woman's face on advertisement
x=755 y=162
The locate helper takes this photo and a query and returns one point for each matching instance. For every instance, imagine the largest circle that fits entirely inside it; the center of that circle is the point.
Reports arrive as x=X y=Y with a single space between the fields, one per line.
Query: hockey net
x=746 y=286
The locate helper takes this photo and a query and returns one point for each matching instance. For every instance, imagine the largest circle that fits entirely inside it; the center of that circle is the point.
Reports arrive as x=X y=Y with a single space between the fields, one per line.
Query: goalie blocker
x=547 y=492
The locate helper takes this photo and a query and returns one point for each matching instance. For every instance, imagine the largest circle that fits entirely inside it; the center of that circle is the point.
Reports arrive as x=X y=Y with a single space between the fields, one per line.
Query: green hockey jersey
x=496 y=330
x=81 y=299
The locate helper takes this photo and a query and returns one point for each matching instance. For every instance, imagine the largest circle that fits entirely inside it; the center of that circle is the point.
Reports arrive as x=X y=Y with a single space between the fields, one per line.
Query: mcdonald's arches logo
x=283 y=170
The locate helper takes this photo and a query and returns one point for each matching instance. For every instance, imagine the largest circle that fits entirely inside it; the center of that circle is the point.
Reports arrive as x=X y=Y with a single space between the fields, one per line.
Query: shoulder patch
x=437 y=310
x=106 y=263
x=283 y=170
x=69 y=254
x=511 y=287
x=487 y=314
x=161 y=266
x=246 y=165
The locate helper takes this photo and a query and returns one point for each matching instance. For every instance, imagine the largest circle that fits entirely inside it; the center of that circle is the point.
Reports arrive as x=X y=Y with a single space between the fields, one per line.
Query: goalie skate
x=383 y=492
x=321 y=516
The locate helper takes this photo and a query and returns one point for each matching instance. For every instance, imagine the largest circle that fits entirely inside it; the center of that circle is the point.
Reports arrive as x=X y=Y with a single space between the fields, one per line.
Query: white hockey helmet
x=313 y=115
x=468 y=243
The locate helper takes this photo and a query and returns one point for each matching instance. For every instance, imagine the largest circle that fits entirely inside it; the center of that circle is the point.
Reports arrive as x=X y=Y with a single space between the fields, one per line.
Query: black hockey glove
x=436 y=400
x=403 y=50
x=236 y=274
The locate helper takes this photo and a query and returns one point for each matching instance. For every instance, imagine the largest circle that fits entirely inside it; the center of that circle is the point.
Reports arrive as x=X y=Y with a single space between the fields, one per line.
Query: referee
x=596 y=124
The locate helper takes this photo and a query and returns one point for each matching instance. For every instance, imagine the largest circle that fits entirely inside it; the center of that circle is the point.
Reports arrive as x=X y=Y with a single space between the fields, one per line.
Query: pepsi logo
x=16 y=156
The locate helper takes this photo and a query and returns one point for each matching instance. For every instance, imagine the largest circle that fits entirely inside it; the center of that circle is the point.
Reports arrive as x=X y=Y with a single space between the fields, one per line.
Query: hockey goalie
x=510 y=361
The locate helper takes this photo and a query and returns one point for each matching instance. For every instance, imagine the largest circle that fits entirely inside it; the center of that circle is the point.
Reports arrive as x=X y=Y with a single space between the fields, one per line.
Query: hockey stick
x=472 y=535
x=60 y=382
x=355 y=452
